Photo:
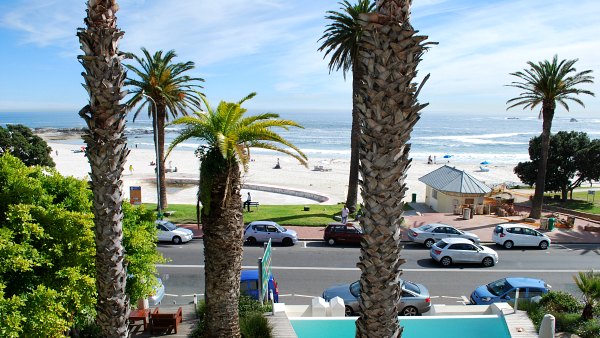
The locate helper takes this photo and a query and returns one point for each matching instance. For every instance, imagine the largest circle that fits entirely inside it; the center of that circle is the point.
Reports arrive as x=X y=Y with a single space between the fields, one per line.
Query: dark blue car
x=505 y=289
x=249 y=285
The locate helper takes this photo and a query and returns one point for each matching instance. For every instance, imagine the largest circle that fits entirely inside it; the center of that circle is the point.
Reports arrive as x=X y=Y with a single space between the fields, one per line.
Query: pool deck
x=519 y=325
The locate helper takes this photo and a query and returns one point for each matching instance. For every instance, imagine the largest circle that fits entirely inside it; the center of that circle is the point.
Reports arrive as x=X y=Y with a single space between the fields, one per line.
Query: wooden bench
x=139 y=314
x=165 y=321
x=252 y=204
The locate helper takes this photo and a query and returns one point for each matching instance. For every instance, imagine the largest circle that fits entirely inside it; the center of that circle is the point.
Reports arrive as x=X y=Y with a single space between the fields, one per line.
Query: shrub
x=255 y=325
x=589 y=329
x=560 y=301
x=567 y=322
x=249 y=305
x=198 y=330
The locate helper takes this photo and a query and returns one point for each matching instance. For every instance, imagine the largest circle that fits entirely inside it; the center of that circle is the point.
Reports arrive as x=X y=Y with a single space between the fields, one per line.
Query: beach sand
x=332 y=183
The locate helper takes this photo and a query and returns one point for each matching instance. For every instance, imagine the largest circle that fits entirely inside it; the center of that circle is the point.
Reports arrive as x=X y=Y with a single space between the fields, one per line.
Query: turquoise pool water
x=488 y=326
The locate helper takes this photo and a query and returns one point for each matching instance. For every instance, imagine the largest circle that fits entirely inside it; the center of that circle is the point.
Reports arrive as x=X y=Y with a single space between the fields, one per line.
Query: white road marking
x=329 y=268
x=564 y=247
x=465 y=299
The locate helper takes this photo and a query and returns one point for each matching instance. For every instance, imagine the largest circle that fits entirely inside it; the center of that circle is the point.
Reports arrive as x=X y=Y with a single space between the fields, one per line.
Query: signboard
x=264 y=271
x=135 y=195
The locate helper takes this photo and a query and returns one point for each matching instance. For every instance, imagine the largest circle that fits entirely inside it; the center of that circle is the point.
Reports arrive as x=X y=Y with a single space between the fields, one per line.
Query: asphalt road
x=306 y=269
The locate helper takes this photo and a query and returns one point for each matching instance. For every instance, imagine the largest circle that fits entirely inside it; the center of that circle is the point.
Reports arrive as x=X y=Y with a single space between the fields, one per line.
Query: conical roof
x=451 y=180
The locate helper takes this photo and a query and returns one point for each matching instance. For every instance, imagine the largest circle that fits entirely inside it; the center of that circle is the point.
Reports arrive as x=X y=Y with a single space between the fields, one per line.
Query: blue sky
x=270 y=46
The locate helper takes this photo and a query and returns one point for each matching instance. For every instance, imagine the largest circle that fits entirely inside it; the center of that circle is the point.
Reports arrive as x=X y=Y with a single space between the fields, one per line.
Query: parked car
x=342 y=233
x=414 y=301
x=169 y=232
x=519 y=234
x=431 y=233
x=249 y=285
x=157 y=295
x=461 y=250
x=261 y=231
x=505 y=289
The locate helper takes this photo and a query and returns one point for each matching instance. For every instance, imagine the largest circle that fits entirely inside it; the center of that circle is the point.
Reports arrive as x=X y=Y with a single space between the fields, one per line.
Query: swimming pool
x=488 y=326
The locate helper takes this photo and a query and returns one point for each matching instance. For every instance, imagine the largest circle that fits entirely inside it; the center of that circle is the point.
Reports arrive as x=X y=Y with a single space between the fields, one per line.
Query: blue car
x=249 y=285
x=505 y=289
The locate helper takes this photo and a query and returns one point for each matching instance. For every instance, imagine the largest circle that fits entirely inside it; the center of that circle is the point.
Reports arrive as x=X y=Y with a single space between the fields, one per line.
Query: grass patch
x=317 y=215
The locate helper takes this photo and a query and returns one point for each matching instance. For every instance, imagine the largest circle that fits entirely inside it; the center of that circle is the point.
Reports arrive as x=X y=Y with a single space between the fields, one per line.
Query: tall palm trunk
x=540 y=182
x=388 y=106
x=223 y=245
x=107 y=152
x=351 y=198
x=160 y=123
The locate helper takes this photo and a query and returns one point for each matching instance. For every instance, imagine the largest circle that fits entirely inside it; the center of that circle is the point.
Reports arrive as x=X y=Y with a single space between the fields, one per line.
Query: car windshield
x=414 y=288
x=499 y=287
x=355 y=289
x=478 y=246
x=425 y=227
x=170 y=226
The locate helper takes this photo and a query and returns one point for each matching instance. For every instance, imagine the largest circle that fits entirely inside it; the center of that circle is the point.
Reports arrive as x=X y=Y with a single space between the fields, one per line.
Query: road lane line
x=327 y=268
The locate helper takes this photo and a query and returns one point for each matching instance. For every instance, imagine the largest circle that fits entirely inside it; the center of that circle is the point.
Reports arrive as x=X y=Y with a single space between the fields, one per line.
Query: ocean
x=500 y=138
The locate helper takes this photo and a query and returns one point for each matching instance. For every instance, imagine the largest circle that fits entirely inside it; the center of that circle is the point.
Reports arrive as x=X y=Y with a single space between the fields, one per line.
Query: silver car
x=414 y=301
x=460 y=250
x=431 y=233
x=261 y=231
x=169 y=232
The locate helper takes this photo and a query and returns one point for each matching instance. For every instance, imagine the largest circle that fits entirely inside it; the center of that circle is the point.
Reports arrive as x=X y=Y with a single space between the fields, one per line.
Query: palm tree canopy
x=226 y=129
x=550 y=83
x=343 y=34
x=589 y=284
x=163 y=81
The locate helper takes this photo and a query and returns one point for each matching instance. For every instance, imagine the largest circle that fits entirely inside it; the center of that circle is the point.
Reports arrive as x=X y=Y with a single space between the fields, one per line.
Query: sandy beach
x=332 y=182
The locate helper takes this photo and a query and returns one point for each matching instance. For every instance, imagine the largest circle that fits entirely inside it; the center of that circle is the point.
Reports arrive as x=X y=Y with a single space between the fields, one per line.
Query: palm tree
x=228 y=135
x=341 y=40
x=548 y=83
x=388 y=109
x=163 y=87
x=107 y=152
x=589 y=285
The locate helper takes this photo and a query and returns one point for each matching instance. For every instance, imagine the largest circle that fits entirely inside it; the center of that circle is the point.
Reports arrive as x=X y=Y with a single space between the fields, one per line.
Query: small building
x=448 y=188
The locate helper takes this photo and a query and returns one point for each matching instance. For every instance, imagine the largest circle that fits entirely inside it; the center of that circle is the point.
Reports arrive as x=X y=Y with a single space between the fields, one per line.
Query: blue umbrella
x=447 y=156
x=485 y=163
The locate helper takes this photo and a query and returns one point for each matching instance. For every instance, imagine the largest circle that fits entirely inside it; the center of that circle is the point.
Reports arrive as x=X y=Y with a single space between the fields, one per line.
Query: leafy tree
x=107 y=152
x=162 y=86
x=389 y=109
x=21 y=142
x=548 y=83
x=341 y=40
x=589 y=284
x=229 y=135
x=47 y=274
x=570 y=162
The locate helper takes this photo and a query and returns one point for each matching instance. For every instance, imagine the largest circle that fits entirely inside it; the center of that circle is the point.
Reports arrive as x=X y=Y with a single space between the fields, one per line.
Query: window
x=469 y=201
x=533 y=292
x=249 y=285
x=441 y=244
x=259 y=227
x=434 y=194
x=452 y=231
x=271 y=228
x=439 y=230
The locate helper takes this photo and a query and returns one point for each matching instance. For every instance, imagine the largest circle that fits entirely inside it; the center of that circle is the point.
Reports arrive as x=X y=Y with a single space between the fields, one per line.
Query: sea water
x=464 y=137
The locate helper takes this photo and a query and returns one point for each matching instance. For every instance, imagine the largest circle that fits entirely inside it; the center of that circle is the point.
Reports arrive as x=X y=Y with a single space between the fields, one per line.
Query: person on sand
x=429 y=160
x=345 y=213
x=131 y=169
x=277 y=166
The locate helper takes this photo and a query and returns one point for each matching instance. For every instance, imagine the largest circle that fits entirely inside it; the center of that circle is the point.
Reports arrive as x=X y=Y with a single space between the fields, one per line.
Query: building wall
x=446 y=203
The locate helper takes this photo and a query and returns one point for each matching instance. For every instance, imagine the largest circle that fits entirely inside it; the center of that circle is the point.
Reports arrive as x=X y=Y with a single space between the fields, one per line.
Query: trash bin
x=414 y=198
x=551 y=222
x=466 y=213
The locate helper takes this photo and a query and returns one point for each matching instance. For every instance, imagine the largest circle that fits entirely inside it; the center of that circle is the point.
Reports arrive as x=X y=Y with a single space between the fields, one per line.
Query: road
x=306 y=269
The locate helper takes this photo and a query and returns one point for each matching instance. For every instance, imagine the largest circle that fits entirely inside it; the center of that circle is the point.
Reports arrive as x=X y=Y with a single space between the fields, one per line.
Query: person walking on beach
x=247 y=203
x=131 y=169
x=429 y=160
x=345 y=213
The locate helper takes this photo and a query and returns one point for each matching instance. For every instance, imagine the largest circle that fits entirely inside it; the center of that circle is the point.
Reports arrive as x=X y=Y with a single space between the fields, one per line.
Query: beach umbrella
x=485 y=163
x=447 y=156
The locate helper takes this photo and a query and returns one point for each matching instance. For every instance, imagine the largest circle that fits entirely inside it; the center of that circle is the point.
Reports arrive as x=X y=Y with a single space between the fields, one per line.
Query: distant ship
x=512 y=118
x=573 y=120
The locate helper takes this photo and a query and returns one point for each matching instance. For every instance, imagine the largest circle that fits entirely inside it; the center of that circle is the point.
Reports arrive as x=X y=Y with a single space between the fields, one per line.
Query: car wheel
x=543 y=245
x=331 y=241
x=487 y=262
x=409 y=311
x=429 y=243
x=348 y=311
x=251 y=240
x=176 y=240
x=446 y=261
x=508 y=244
x=287 y=241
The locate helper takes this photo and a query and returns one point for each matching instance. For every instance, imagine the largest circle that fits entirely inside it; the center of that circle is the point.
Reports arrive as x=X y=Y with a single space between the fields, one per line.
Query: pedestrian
x=345 y=213
x=434 y=159
x=247 y=203
x=131 y=168
x=277 y=166
x=429 y=160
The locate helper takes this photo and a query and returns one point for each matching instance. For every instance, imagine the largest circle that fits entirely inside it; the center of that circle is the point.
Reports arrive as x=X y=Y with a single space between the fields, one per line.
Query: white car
x=431 y=233
x=169 y=232
x=461 y=250
x=519 y=234
x=261 y=231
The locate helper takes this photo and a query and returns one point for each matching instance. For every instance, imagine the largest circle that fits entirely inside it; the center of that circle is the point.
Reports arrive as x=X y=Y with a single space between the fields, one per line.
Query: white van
x=519 y=234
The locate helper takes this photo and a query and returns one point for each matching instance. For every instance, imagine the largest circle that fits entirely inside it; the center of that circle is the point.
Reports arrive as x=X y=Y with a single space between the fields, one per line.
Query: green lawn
x=581 y=202
x=317 y=215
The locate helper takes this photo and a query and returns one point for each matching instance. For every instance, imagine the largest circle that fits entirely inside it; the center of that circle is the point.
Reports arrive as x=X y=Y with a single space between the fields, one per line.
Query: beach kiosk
x=449 y=188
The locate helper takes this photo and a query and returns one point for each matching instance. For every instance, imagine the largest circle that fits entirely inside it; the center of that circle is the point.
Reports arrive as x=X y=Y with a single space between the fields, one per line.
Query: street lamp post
x=154 y=127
